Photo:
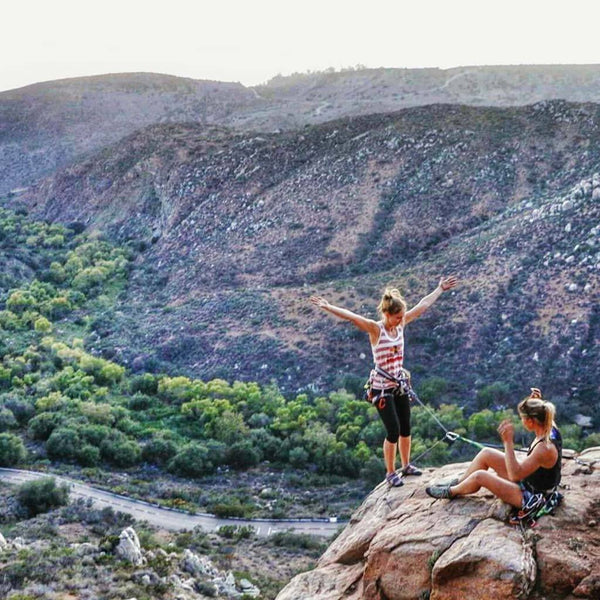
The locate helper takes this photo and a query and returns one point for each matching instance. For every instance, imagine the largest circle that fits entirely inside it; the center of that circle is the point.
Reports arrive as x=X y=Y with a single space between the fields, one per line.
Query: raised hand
x=447 y=283
x=507 y=431
x=319 y=302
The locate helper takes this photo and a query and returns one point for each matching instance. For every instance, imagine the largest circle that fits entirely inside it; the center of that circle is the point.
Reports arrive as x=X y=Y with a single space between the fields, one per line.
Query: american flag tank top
x=388 y=354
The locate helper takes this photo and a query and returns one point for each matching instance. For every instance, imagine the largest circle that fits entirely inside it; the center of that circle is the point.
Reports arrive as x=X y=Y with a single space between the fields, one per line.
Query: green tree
x=495 y=394
x=432 y=390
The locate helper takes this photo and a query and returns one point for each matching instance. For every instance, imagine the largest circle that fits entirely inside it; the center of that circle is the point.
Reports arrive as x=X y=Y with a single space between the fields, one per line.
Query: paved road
x=173 y=519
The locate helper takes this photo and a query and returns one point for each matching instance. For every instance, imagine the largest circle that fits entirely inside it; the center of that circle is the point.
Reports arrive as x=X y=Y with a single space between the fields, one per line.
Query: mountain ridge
x=49 y=125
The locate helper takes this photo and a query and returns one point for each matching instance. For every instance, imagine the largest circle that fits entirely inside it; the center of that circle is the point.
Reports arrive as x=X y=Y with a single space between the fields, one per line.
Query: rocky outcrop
x=403 y=545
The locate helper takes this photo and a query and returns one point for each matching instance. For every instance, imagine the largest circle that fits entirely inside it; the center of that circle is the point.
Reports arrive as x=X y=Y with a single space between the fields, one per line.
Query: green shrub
x=42 y=325
x=88 y=456
x=493 y=395
x=159 y=450
x=121 y=452
x=232 y=508
x=193 y=460
x=42 y=495
x=145 y=384
x=42 y=425
x=7 y=419
x=296 y=541
x=12 y=450
x=241 y=455
x=63 y=443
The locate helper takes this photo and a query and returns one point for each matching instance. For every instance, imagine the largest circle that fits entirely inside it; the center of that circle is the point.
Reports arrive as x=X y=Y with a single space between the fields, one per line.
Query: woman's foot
x=411 y=470
x=394 y=480
x=439 y=491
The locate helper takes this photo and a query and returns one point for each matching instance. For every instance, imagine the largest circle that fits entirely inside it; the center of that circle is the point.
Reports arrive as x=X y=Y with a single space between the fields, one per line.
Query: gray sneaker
x=410 y=469
x=439 y=491
x=394 y=480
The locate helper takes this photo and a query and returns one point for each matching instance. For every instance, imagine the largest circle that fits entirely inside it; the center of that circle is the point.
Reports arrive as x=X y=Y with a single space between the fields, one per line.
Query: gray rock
x=129 y=548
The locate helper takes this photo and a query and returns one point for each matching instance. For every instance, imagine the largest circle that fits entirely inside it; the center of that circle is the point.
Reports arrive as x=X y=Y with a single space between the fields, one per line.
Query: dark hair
x=534 y=407
x=392 y=302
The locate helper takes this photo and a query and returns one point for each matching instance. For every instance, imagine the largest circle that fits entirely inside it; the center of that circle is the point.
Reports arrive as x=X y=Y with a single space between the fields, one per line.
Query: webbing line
x=450 y=436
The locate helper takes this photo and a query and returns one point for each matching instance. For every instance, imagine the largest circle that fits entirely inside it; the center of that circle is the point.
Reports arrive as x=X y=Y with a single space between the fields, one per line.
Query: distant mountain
x=51 y=125
x=240 y=228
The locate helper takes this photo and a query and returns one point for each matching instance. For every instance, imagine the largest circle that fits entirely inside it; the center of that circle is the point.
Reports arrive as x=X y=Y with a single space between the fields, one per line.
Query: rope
x=449 y=436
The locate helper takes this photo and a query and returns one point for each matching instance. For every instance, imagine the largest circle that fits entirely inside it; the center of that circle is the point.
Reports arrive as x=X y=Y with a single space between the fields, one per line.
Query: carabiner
x=451 y=436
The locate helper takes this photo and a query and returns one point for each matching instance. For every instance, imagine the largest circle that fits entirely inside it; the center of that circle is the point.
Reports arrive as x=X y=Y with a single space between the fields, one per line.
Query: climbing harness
x=535 y=505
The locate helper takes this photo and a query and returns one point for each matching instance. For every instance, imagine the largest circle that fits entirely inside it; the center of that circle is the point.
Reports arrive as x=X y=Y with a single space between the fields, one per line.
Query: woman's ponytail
x=535 y=407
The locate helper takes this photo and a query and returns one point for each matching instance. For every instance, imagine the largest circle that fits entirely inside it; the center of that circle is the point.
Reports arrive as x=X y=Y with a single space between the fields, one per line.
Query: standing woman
x=387 y=343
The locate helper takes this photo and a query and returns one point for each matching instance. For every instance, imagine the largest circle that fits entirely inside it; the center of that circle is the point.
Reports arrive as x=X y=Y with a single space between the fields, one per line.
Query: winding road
x=173 y=519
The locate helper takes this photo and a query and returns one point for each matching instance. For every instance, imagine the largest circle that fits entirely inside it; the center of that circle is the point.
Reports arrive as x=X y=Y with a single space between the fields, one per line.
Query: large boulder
x=401 y=544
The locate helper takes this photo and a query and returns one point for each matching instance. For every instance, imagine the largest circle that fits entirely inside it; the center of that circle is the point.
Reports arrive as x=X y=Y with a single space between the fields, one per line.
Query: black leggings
x=394 y=410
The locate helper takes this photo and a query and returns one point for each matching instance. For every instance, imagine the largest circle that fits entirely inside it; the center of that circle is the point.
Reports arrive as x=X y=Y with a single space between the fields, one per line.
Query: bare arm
x=359 y=321
x=543 y=455
x=445 y=284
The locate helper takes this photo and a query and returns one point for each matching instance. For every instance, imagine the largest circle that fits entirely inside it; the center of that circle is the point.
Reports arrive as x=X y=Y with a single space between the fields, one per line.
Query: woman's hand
x=447 y=283
x=507 y=431
x=319 y=302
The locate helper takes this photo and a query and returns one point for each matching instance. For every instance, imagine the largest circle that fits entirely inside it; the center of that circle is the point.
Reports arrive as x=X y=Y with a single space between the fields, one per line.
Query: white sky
x=253 y=40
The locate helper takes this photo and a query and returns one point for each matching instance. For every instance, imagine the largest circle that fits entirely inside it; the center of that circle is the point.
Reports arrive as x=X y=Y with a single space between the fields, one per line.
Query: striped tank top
x=388 y=354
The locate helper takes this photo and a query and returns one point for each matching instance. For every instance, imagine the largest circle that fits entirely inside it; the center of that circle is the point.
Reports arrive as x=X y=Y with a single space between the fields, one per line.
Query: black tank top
x=544 y=479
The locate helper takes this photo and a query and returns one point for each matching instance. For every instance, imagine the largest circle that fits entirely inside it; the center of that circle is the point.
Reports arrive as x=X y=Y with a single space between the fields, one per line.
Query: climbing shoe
x=394 y=480
x=411 y=470
x=439 y=491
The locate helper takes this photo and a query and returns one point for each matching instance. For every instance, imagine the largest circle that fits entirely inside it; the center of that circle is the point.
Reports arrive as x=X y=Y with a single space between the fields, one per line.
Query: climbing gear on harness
x=440 y=492
x=394 y=480
x=535 y=505
x=410 y=469
x=402 y=381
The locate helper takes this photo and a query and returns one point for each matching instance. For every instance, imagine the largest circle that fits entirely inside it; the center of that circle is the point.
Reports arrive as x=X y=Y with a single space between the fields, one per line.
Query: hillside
x=238 y=229
x=53 y=124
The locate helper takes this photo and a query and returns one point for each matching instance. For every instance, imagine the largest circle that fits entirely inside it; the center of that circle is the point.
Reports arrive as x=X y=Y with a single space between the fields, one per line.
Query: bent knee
x=480 y=477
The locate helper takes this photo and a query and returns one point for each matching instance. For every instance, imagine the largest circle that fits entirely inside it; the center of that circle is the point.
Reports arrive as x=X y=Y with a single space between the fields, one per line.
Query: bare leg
x=508 y=491
x=389 y=456
x=404 y=445
x=488 y=458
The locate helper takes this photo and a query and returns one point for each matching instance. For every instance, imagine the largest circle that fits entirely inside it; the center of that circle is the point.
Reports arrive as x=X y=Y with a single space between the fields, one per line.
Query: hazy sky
x=253 y=40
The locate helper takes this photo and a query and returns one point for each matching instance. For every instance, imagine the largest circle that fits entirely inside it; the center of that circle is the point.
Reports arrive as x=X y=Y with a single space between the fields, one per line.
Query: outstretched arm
x=445 y=284
x=359 y=321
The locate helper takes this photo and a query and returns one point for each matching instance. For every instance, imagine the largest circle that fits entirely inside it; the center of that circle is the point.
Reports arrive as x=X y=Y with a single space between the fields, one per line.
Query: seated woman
x=516 y=482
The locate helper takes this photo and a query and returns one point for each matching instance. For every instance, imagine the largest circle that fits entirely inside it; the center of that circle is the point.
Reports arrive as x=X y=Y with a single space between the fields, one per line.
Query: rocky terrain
x=85 y=552
x=401 y=545
x=237 y=230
